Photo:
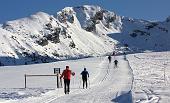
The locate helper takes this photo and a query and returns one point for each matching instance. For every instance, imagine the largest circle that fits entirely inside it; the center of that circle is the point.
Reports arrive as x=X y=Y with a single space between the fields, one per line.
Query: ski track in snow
x=136 y=80
x=111 y=85
x=108 y=88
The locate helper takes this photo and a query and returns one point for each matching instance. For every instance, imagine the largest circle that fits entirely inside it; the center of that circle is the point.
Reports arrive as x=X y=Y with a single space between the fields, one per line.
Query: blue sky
x=141 y=9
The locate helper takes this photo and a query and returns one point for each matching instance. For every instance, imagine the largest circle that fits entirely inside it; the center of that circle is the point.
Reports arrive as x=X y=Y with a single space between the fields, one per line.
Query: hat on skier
x=67 y=66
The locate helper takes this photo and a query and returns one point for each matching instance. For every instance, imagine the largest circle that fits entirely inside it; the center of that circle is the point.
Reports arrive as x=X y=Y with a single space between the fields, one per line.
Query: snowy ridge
x=142 y=35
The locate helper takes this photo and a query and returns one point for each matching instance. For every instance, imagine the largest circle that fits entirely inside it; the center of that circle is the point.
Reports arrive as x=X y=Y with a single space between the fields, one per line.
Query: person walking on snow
x=110 y=58
x=66 y=75
x=85 y=75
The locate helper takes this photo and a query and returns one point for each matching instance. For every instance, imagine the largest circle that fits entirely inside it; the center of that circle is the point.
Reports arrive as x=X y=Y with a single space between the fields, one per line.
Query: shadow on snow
x=124 y=97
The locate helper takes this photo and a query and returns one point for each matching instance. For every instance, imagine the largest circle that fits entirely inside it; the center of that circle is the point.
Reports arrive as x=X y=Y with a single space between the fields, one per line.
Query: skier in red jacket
x=67 y=76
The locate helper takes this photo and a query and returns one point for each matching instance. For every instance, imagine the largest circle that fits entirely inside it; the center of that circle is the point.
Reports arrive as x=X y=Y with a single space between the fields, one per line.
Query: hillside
x=77 y=32
x=142 y=35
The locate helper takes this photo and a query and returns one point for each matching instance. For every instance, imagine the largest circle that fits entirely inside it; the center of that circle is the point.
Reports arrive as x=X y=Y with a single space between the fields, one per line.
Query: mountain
x=77 y=32
x=142 y=35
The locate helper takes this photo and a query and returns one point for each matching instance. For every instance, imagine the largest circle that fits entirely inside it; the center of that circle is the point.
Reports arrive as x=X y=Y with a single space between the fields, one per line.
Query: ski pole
x=73 y=82
x=79 y=82
x=89 y=82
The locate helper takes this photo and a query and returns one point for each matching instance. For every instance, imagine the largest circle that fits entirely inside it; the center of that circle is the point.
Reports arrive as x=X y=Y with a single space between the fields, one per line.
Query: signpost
x=57 y=72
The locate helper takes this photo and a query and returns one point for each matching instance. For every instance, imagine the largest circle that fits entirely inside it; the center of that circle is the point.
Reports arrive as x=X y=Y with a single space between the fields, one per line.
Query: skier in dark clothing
x=124 y=55
x=67 y=76
x=113 y=54
x=116 y=62
x=85 y=75
x=110 y=58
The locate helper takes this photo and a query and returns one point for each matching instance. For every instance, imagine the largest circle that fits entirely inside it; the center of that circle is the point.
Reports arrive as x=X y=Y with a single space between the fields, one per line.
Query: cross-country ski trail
x=111 y=85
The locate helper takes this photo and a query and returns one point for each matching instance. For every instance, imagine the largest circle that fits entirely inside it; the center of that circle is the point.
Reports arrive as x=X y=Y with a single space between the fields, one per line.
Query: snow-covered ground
x=106 y=83
x=151 y=77
x=146 y=80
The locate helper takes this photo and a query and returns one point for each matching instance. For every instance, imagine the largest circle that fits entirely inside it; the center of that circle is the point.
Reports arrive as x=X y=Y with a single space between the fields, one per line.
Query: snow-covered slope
x=142 y=35
x=43 y=38
x=77 y=32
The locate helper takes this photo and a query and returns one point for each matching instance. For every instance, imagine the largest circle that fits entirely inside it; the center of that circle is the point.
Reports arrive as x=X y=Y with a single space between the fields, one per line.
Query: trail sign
x=56 y=70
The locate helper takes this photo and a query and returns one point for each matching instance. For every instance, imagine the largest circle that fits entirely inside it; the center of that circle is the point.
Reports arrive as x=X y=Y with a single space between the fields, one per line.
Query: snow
x=151 y=77
x=23 y=36
x=106 y=83
x=77 y=32
x=139 y=78
x=109 y=87
x=142 y=78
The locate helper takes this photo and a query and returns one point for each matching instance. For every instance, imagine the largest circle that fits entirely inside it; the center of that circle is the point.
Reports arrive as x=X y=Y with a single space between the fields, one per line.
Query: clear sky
x=140 y=9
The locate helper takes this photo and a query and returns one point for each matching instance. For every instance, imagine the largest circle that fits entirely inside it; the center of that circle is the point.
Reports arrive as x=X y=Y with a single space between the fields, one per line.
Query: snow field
x=146 y=80
x=12 y=77
x=107 y=83
x=151 y=77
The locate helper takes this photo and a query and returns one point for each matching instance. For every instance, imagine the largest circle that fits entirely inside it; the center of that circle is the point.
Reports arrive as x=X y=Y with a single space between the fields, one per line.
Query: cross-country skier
x=124 y=56
x=116 y=62
x=113 y=54
x=110 y=58
x=85 y=75
x=67 y=76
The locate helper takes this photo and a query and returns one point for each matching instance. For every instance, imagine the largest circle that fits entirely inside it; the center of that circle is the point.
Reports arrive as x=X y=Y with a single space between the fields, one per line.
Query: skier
x=116 y=62
x=67 y=76
x=113 y=54
x=124 y=55
x=110 y=58
x=85 y=75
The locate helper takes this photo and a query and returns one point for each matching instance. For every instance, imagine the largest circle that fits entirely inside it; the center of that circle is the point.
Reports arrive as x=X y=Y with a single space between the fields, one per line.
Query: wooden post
x=25 y=81
x=61 y=82
x=57 y=81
